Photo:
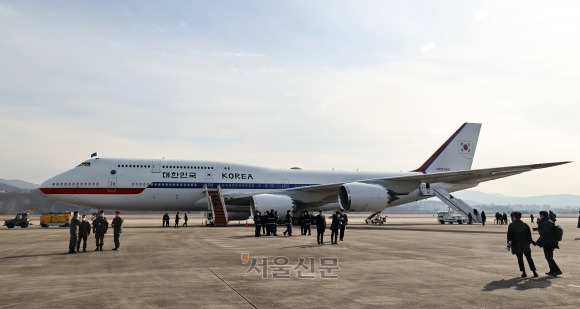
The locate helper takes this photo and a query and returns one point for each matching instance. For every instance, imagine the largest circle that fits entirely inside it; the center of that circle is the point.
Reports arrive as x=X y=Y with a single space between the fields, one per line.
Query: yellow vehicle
x=61 y=219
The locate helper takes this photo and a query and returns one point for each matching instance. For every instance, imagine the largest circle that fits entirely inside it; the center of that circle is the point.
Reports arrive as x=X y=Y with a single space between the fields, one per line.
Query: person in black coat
x=342 y=222
x=578 y=220
x=548 y=242
x=334 y=228
x=257 y=224
x=519 y=238
x=307 y=220
x=320 y=227
x=483 y=218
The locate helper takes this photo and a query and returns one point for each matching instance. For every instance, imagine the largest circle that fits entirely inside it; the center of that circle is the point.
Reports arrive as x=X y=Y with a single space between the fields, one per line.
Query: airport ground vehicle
x=448 y=217
x=22 y=219
x=376 y=219
x=55 y=219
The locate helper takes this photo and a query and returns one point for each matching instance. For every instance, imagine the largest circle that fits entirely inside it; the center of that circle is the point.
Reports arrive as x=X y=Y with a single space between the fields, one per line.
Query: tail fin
x=456 y=154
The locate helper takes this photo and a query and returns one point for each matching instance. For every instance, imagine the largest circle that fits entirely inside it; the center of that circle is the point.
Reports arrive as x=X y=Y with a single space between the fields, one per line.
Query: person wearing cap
x=100 y=227
x=548 y=242
x=74 y=231
x=117 y=225
x=288 y=221
x=84 y=232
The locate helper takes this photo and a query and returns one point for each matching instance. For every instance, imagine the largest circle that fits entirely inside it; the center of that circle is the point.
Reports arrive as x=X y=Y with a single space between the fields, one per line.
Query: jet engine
x=356 y=196
x=263 y=202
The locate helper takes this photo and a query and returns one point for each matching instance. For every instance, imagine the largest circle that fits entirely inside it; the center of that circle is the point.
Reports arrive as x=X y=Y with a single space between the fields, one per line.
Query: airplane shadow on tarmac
x=32 y=255
x=403 y=227
x=519 y=284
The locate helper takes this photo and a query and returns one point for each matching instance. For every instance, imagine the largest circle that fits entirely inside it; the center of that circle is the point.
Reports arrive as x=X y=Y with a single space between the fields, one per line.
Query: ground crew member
x=117 y=226
x=532 y=217
x=184 y=219
x=176 y=220
x=288 y=221
x=100 y=227
x=519 y=238
x=548 y=241
x=483 y=217
x=74 y=231
x=343 y=221
x=307 y=220
x=470 y=218
x=320 y=227
x=257 y=224
x=84 y=232
x=334 y=227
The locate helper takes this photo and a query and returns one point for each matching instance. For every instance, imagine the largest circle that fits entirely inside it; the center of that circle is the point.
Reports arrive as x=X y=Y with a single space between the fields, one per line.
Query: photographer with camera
x=519 y=238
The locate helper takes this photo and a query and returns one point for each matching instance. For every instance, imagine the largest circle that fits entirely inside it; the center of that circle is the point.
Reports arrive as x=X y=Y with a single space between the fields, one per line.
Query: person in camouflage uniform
x=84 y=232
x=74 y=231
x=100 y=227
x=117 y=225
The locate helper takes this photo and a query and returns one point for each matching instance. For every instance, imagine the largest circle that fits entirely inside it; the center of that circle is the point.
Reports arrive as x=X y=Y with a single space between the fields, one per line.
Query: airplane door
x=209 y=183
x=285 y=183
x=112 y=184
x=156 y=166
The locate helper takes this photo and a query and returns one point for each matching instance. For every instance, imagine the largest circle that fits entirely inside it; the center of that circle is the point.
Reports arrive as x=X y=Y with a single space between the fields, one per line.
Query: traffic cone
x=202 y=222
x=246 y=223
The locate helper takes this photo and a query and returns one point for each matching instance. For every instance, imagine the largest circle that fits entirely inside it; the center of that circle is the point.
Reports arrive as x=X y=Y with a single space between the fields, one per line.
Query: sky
x=345 y=85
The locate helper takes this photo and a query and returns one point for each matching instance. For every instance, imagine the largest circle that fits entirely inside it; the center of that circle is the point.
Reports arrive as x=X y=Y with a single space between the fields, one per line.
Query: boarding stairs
x=456 y=204
x=217 y=206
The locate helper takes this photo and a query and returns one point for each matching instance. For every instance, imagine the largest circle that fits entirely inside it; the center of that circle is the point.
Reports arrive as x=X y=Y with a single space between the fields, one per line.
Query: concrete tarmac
x=409 y=262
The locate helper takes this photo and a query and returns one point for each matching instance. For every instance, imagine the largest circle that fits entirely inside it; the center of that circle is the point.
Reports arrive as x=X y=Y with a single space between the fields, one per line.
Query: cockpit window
x=84 y=164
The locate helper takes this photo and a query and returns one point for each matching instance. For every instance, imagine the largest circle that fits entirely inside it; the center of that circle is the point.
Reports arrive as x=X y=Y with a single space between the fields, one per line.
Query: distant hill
x=556 y=201
x=34 y=202
x=18 y=184
x=8 y=188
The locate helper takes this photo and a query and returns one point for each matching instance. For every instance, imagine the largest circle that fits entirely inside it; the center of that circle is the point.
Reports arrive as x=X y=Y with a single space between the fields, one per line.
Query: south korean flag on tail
x=464 y=146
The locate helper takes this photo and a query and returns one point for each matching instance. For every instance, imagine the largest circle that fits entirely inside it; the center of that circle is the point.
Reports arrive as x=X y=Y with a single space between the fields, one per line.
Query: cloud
x=427 y=47
x=324 y=89
x=481 y=15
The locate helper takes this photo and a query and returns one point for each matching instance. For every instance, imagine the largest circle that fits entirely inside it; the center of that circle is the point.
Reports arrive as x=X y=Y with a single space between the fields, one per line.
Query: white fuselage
x=163 y=185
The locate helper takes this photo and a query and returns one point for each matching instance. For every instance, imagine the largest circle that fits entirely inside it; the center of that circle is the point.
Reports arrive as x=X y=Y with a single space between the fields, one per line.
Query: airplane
x=188 y=185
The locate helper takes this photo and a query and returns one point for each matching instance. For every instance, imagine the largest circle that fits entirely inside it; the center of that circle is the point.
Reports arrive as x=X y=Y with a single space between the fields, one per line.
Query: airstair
x=456 y=204
x=217 y=206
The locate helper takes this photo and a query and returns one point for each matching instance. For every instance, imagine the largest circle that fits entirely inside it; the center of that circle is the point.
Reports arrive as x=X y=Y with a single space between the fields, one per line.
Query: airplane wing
x=316 y=195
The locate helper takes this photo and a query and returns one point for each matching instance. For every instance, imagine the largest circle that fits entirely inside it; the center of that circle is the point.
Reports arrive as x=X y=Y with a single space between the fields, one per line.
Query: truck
x=61 y=219
x=448 y=217
x=22 y=219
